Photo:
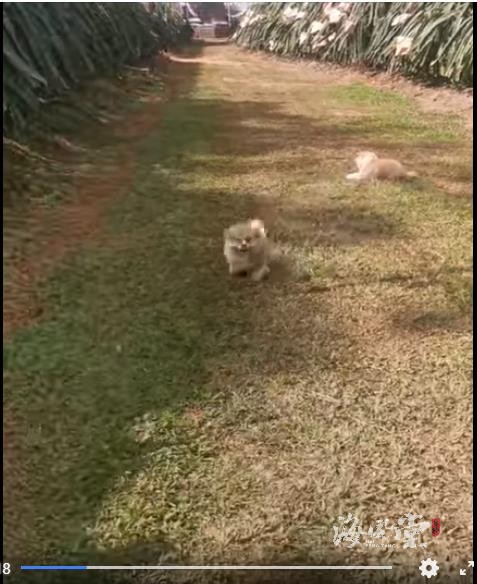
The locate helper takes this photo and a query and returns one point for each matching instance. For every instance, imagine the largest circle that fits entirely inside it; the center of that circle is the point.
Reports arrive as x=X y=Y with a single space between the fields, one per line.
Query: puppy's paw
x=236 y=272
x=260 y=274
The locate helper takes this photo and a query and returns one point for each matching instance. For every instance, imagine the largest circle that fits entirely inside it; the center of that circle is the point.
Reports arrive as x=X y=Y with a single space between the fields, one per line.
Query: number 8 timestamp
x=5 y=569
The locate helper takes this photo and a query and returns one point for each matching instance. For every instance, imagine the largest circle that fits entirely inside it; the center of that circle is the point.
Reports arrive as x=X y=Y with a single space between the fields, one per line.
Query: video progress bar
x=282 y=568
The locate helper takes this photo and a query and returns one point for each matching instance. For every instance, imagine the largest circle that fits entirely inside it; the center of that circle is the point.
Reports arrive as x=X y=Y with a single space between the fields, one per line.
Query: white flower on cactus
x=345 y=6
x=401 y=19
x=303 y=38
x=320 y=44
x=403 y=46
x=334 y=15
x=317 y=26
x=349 y=24
x=289 y=13
x=255 y=18
x=246 y=18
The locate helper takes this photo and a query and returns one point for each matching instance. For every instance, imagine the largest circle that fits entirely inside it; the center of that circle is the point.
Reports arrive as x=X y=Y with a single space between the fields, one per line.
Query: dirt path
x=186 y=417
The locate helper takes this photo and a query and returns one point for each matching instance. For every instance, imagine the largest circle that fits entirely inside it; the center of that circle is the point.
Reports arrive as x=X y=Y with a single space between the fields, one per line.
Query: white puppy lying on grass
x=371 y=168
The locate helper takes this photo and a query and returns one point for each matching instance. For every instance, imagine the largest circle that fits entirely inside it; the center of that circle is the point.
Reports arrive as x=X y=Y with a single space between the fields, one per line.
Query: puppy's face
x=365 y=158
x=244 y=236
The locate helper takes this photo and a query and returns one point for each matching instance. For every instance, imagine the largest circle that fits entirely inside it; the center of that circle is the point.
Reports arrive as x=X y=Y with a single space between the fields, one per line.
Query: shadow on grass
x=433 y=320
x=266 y=128
x=339 y=225
x=455 y=316
x=67 y=413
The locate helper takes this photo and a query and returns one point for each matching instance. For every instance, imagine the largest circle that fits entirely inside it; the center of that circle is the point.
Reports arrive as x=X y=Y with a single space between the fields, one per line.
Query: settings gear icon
x=429 y=568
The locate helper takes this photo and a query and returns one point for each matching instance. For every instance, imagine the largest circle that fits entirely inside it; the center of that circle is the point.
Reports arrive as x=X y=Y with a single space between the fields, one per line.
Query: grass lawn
x=158 y=411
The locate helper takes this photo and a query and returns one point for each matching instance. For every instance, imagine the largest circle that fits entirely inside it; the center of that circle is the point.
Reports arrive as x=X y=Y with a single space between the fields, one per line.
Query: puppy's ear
x=257 y=226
